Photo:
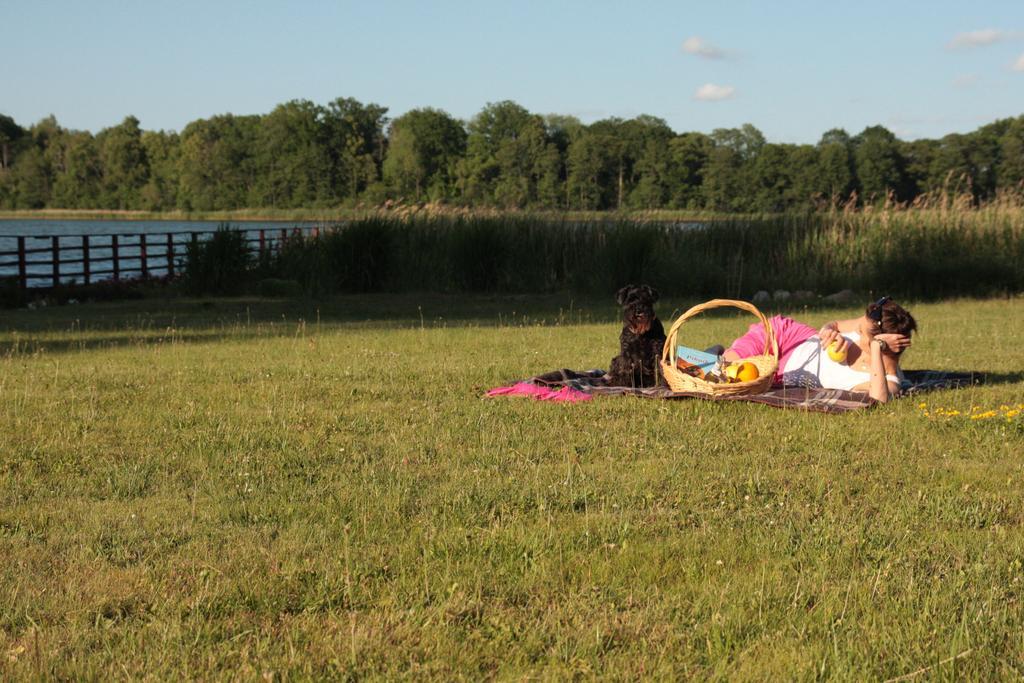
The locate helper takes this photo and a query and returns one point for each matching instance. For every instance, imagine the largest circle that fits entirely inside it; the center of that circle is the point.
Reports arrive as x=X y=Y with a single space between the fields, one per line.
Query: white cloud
x=979 y=38
x=695 y=45
x=709 y=92
x=965 y=81
x=1019 y=64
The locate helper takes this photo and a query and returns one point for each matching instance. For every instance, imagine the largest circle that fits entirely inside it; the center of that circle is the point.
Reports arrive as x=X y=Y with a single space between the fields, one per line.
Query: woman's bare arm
x=879 y=387
x=851 y=325
x=831 y=331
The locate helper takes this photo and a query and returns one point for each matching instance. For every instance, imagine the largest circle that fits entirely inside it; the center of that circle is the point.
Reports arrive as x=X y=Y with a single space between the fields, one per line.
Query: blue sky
x=793 y=68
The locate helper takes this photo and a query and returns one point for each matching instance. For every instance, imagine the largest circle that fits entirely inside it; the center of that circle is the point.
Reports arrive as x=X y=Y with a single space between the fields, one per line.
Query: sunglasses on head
x=876 y=313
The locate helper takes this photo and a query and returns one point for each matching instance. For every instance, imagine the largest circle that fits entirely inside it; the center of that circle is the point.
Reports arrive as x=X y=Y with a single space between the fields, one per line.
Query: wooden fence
x=50 y=260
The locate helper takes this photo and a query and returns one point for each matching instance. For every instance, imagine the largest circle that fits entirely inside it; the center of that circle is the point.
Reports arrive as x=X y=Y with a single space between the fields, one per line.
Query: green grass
x=236 y=489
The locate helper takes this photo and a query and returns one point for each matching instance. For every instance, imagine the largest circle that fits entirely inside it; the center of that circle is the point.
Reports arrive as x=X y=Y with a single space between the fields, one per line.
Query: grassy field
x=253 y=488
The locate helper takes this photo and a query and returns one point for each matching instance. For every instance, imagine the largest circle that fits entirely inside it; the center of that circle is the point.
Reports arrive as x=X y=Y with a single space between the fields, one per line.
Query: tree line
x=347 y=153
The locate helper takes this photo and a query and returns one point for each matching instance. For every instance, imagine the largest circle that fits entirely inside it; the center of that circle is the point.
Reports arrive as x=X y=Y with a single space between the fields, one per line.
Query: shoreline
x=241 y=215
x=339 y=214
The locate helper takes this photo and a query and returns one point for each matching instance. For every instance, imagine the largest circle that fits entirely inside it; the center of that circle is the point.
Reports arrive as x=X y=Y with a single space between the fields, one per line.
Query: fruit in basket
x=837 y=351
x=747 y=372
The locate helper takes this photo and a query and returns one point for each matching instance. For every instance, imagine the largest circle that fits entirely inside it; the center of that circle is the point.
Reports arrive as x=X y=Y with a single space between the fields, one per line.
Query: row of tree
x=306 y=155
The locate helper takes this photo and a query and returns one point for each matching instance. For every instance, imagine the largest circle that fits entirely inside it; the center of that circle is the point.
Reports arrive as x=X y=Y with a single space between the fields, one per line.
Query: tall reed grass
x=925 y=252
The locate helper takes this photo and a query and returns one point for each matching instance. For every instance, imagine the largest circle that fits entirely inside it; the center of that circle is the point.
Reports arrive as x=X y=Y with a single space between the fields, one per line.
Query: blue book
x=694 y=362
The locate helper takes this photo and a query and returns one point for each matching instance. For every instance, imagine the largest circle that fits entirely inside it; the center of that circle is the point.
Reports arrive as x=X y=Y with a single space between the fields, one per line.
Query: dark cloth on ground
x=595 y=383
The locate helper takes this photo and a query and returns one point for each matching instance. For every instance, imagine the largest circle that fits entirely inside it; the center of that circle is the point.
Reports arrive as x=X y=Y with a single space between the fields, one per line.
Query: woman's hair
x=894 y=318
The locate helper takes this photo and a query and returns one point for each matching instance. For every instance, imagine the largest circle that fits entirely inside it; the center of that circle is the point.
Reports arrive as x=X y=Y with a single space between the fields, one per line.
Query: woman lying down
x=865 y=357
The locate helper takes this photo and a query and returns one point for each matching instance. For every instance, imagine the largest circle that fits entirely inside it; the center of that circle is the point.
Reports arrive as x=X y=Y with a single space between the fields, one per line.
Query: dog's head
x=637 y=303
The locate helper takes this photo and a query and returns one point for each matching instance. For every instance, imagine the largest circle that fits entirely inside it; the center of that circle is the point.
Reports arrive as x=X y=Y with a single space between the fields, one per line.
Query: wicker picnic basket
x=767 y=363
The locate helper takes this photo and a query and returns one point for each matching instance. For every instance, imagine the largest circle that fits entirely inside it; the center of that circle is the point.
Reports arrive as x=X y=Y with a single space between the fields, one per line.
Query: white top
x=810 y=366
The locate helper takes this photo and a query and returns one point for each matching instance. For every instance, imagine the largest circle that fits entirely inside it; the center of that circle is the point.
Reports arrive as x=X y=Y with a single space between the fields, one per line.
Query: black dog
x=641 y=340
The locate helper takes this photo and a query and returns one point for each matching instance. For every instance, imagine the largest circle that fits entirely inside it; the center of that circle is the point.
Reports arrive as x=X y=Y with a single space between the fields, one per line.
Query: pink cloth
x=788 y=332
x=561 y=395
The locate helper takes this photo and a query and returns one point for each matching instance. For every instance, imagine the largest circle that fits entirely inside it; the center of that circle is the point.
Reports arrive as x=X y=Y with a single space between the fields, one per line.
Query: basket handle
x=668 y=352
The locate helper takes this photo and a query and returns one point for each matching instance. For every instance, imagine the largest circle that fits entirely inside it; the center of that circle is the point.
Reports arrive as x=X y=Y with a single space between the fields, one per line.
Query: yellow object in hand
x=837 y=352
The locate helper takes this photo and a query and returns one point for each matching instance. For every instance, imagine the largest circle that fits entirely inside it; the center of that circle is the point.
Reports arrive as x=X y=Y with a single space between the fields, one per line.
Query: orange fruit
x=747 y=372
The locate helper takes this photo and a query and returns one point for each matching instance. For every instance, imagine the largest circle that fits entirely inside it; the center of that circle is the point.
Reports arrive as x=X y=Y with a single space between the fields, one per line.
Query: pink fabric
x=560 y=395
x=788 y=332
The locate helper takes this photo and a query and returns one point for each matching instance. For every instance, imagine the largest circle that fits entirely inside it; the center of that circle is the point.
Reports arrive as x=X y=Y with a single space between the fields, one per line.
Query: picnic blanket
x=573 y=385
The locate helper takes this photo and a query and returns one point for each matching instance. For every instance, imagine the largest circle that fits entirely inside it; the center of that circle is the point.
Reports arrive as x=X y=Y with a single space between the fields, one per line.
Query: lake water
x=39 y=236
